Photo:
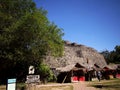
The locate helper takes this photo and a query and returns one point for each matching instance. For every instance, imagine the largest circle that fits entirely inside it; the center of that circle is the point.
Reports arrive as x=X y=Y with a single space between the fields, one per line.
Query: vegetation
x=45 y=73
x=47 y=87
x=113 y=84
x=26 y=37
x=112 y=56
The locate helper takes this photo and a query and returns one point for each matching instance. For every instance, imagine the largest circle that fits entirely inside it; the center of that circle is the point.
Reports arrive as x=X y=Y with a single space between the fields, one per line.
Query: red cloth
x=74 y=78
x=82 y=78
x=118 y=75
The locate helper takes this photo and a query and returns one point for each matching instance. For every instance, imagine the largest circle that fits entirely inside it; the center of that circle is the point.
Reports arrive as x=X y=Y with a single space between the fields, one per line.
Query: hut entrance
x=78 y=75
x=64 y=77
x=71 y=73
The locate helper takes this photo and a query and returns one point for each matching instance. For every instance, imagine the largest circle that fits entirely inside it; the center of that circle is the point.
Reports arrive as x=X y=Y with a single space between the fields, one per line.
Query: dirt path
x=82 y=86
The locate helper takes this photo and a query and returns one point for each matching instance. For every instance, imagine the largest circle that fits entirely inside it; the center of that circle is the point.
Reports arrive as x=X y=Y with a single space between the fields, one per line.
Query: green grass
x=19 y=86
x=113 y=84
x=57 y=88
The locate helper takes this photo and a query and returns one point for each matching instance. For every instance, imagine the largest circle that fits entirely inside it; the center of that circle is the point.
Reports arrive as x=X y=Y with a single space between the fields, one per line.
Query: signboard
x=11 y=84
x=31 y=70
x=33 y=79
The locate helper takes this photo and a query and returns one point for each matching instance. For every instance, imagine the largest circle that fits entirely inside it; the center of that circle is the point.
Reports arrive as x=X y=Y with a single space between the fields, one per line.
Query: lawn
x=42 y=87
x=113 y=84
x=67 y=87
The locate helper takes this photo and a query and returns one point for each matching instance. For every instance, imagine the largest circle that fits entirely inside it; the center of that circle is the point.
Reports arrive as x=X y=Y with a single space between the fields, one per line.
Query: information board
x=11 y=84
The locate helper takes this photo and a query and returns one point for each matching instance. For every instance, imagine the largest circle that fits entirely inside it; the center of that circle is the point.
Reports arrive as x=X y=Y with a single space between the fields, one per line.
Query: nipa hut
x=73 y=73
x=118 y=70
x=109 y=71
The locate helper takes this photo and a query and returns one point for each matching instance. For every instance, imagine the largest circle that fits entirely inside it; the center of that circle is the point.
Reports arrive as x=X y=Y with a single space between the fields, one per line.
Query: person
x=99 y=75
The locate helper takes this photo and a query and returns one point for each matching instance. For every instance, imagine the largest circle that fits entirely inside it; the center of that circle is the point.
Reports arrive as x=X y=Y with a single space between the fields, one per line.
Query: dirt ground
x=55 y=86
x=82 y=86
x=68 y=86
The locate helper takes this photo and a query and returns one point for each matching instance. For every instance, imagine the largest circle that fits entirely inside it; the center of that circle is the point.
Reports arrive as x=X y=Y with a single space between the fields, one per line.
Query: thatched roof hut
x=73 y=71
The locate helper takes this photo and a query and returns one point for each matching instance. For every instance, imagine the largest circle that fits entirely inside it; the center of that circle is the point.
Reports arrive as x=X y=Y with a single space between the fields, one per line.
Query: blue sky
x=94 y=23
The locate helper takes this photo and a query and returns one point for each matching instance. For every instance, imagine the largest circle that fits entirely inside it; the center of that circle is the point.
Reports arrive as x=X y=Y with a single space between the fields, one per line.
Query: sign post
x=11 y=84
x=32 y=78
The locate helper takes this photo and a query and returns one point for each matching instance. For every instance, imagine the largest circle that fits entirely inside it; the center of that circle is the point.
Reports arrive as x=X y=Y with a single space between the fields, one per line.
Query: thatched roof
x=76 y=53
x=97 y=67
x=66 y=69
x=74 y=67
x=110 y=67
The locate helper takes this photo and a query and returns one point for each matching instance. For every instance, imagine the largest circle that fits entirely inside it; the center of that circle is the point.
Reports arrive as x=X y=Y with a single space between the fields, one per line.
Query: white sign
x=33 y=79
x=31 y=70
x=11 y=84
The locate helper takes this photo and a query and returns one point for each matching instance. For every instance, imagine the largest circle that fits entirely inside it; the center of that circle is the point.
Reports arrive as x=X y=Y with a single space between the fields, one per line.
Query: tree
x=112 y=56
x=13 y=10
x=26 y=37
x=106 y=55
x=11 y=53
x=115 y=55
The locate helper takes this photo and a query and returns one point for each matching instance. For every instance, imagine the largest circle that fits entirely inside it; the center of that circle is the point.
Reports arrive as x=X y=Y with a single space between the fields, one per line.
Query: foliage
x=106 y=55
x=26 y=37
x=45 y=72
x=113 y=56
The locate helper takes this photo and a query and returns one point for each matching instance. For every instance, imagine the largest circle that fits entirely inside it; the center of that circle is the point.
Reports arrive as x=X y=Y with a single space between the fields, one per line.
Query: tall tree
x=26 y=37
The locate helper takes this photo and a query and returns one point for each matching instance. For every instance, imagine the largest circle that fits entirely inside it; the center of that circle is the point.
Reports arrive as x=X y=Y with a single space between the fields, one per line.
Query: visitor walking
x=99 y=75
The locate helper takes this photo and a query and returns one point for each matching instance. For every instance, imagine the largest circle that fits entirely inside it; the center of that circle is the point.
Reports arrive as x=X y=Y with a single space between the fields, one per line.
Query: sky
x=94 y=23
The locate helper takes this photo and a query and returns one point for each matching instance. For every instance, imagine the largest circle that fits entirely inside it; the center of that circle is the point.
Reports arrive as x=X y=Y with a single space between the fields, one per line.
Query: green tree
x=12 y=10
x=12 y=56
x=115 y=55
x=26 y=37
x=112 y=56
x=106 y=55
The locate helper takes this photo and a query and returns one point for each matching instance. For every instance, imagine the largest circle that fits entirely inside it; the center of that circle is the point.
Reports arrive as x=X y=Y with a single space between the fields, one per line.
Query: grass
x=2 y=87
x=57 y=88
x=113 y=84
x=21 y=86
